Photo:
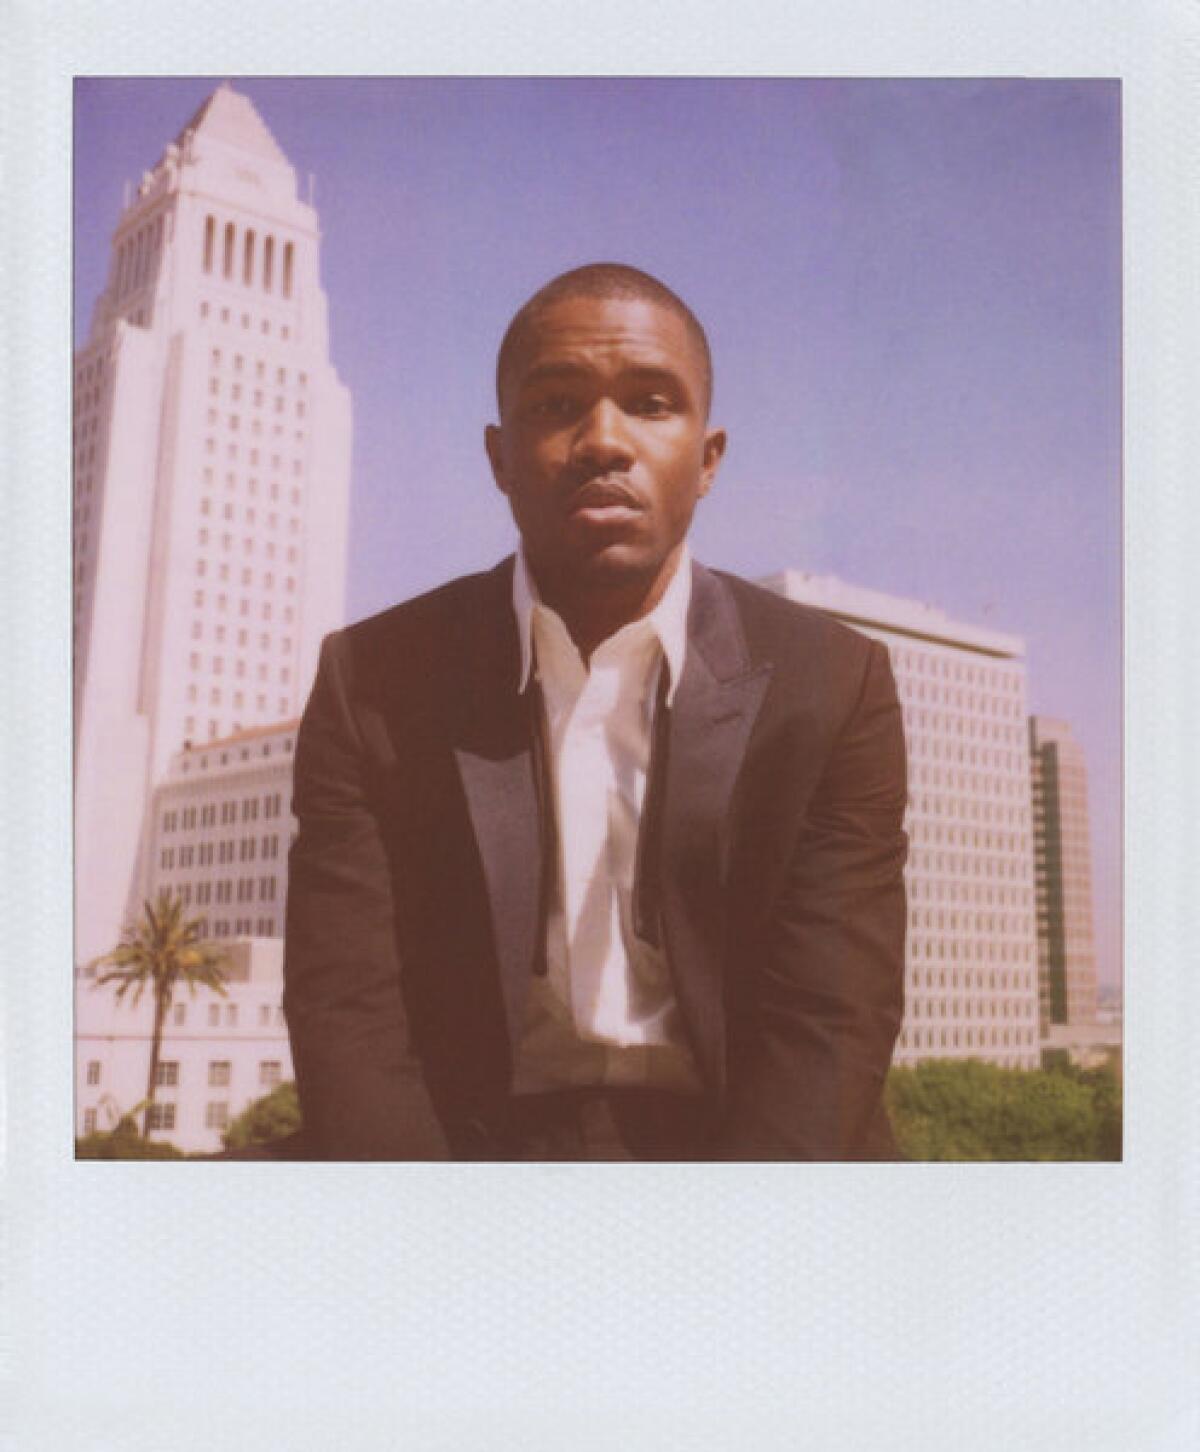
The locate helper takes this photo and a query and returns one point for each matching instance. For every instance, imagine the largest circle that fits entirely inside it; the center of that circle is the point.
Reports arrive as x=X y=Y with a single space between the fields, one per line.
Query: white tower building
x=212 y=466
x=971 y=970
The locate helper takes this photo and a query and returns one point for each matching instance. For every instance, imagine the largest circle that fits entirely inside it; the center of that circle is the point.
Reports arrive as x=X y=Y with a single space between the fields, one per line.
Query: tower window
x=210 y=234
x=248 y=259
x=288 y=255
x=228 y=266
x=268 y=262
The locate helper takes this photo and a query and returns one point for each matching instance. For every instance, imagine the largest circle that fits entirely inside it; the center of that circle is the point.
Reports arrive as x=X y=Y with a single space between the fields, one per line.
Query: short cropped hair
x=603 y=280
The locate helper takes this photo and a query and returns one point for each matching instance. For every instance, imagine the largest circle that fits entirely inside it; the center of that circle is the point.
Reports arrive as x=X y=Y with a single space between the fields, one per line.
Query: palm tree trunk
x=161 y=1001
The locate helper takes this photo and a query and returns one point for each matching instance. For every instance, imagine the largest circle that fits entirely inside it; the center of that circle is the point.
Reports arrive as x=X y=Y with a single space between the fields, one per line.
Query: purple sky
x=912 y=290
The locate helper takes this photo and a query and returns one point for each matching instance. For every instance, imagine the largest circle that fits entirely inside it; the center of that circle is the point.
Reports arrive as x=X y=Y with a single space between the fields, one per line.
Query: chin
x=616 y=565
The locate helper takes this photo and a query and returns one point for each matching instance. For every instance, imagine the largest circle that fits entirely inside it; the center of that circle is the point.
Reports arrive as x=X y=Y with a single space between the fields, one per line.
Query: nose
x=601 y=443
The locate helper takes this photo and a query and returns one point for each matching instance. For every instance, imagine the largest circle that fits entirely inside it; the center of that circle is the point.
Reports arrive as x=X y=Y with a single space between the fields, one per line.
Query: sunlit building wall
x=971 y=974
x=212 y=464
x=219 y=1052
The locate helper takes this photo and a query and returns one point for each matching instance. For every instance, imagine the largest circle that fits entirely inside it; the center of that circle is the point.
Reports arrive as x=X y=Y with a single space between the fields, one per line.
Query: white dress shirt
x=605 y=1012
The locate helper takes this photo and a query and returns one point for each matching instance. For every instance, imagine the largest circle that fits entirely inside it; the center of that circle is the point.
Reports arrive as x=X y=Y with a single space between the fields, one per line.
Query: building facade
x=220 y=830
x=219 y=1052
x=212 y=462
x=971 y=967
x=1063 y=863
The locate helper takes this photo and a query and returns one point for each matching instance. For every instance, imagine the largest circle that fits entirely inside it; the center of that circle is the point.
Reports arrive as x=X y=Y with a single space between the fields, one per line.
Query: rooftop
x=858 y=606
x=250 y=733
x=229 y=117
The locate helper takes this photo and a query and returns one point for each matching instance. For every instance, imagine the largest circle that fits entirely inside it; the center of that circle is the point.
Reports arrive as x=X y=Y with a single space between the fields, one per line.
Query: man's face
x=602 y=448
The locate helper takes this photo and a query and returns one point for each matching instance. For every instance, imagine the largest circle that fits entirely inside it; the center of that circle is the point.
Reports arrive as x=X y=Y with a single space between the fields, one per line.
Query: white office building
x=220 y=830
x=971 y=970
x=212 y=462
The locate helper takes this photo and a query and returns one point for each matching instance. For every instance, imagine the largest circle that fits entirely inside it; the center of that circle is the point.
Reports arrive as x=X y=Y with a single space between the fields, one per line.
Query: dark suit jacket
x=775 y=862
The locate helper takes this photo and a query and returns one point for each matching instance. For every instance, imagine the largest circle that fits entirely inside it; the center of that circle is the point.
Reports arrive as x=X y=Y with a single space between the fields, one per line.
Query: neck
x=594 y=610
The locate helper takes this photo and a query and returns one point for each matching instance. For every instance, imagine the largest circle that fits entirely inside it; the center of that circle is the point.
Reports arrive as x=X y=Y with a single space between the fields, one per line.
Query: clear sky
x=912 y=290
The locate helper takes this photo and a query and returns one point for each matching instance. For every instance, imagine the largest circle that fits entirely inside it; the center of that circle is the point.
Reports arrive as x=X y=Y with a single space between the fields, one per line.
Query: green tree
x=161 y=952
x=124 y=1143
x=968 y=1110
x=273 y=1117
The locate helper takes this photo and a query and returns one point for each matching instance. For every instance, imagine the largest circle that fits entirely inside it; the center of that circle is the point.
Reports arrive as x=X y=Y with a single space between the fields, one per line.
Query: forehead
x=608 y=334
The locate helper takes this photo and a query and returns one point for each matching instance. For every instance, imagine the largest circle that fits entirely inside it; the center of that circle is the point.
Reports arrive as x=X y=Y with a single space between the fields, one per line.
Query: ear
x=710 y=459
x=493 y=443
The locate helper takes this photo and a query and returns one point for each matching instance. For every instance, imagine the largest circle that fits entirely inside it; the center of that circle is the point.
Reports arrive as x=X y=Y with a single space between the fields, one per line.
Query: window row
x=229 y=889
x=256 y=400
x=242 y=639
x=974 y=783
x=247 y=257
x=217 y=729
x=969 y=1008
x=260 y=369
x=944 y=1038
x=231 y=482
x=969 y=864
x=222 y=758
x=285 y=331
x=980 y=704
x=980 y=839
x=267 y=581
x=939 y=748
x=941 y=951
x=994 y=980
x=975 y=728
x=925 y=663
x=968 y=809
x=969 y=922
x=263 y=927
x=201 y=854
x=179 y=1014
x=195 y=665
x=185 y=818
x=203 y=539
x=221 y=603
x=255 y=454
x=220 y=1073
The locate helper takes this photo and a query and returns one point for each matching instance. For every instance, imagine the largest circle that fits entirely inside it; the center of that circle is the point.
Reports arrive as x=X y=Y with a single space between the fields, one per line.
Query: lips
x=601 y=495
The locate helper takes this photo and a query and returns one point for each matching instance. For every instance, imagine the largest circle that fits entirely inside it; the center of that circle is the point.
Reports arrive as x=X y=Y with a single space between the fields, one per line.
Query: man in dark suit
x=608 y=843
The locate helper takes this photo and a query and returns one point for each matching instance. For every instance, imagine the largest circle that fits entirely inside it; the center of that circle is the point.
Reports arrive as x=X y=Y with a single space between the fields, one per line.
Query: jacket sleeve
x=812 y=1036
x=360 y=1096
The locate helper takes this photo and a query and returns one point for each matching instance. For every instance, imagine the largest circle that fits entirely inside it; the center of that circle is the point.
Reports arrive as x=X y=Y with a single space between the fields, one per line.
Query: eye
x=552 y=406
x=653 y=405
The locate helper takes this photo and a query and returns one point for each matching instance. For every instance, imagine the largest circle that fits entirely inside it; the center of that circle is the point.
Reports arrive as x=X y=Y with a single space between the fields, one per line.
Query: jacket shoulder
x=438 y=609
x=431 y=625
x=775 y=625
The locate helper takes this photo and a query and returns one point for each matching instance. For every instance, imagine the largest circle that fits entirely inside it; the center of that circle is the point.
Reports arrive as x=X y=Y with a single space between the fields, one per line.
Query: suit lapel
x=492 y=748
x=714 y=711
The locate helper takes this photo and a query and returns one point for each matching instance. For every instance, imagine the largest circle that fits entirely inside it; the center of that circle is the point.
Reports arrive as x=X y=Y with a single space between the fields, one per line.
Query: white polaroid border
x=709 y=1307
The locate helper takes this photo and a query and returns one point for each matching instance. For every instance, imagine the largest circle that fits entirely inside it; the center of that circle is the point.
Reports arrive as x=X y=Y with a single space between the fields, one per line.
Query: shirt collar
x=668 y=619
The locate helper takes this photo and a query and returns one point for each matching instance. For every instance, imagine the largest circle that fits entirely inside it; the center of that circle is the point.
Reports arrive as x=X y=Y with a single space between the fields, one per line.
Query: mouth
x=603 y=500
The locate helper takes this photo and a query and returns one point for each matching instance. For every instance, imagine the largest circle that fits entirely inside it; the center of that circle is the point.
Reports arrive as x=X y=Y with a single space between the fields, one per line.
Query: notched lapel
x=493 y=753
x=713 y=715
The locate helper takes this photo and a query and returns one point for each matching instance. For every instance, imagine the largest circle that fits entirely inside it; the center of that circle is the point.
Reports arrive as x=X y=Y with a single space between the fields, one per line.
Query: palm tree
x=161 y=951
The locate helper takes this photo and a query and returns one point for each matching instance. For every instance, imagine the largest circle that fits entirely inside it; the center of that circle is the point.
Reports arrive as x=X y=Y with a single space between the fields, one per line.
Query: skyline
x=919 y=366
